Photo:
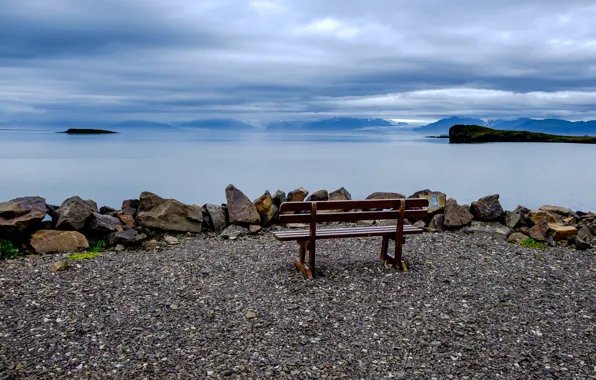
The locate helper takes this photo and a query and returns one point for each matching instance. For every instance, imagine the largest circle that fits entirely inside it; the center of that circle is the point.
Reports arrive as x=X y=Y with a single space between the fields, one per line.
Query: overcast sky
x=260 y=60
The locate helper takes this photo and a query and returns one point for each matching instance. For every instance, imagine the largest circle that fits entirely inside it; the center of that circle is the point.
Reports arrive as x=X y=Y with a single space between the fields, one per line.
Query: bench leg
x=397 y=260
x=384 y=248
x=300 y=264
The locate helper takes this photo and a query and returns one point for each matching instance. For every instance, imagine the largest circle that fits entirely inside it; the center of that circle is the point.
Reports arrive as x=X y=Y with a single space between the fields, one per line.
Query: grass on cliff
x=478 y=134
x=7 y=250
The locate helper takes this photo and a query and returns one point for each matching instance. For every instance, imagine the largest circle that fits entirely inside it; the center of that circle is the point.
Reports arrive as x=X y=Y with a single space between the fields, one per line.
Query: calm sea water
x=196 y=166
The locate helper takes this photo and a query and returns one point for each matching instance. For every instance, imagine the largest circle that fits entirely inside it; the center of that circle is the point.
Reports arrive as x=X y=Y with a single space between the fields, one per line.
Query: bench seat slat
x=351 y=216
x=350 y=205
x=345 y=232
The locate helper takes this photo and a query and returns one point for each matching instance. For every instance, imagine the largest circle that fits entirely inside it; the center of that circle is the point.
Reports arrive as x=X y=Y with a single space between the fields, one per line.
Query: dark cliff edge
x=87 y=131
x=469 y=134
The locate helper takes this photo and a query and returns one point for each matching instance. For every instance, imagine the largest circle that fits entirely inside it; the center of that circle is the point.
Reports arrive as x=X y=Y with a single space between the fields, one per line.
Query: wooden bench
x=347 y=211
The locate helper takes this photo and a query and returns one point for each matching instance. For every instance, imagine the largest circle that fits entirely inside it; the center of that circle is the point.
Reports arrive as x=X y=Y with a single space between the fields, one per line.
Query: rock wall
x=140 y=221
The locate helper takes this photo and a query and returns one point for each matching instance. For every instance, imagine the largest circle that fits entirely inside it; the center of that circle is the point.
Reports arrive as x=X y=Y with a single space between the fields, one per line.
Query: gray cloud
x=271 y=59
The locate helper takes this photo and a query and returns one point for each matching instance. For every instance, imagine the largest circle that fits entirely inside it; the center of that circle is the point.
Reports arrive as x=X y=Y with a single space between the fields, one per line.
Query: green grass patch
x=531 y=243
x=7 y=250
x=84 y=256
x=98 y=246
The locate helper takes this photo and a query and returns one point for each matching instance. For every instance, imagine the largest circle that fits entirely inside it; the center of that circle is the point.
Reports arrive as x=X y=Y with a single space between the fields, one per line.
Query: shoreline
x=78 y=224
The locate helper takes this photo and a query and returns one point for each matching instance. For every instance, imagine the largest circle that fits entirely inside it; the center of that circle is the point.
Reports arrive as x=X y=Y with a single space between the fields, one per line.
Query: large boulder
x=278 y=198
x=74 y=213
x=385 y=195
x=240 y=209
x=539 y=231
x=131 y=206
x=436 y=200
x=559 y=232
x=266 y=209
x=494 y=229
x=535 y=216
x=128 y=237
x=563 y=211
x=102 y=225
x=318 y=196
x=340 y=194
x=513 y=219
x=437 y=223
x=168 y=214
x=456 y=216
x=20 y=216
x=56 y=241
x=106 y=210
x=297 y=195
x=217 y=214
x=487 y=209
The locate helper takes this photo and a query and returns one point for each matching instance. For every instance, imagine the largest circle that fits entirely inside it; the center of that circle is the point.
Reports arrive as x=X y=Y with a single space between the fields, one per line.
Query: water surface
x=196 y=166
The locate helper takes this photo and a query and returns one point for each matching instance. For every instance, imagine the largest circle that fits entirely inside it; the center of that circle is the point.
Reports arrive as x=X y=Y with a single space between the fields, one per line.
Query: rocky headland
x=87 y=131
x=467 y=134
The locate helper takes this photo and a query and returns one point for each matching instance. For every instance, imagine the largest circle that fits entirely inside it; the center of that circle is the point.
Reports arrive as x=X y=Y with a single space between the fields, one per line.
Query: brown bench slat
x=331 y=230
x=350 y=205
x=345 y=233
x=351 y=216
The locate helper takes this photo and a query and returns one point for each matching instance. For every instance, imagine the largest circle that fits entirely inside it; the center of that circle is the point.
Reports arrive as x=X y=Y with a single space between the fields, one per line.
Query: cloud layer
x=289 y=59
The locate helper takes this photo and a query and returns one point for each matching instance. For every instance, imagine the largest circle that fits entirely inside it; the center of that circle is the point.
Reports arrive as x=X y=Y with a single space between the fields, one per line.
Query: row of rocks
x=552 y=225
x=141 y=220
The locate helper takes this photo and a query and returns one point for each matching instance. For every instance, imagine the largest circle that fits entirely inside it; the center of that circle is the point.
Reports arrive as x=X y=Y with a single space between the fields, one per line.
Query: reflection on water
x=196 y=166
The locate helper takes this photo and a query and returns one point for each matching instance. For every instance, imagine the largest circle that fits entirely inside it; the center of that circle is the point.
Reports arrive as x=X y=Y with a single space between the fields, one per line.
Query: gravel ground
x=469 y=307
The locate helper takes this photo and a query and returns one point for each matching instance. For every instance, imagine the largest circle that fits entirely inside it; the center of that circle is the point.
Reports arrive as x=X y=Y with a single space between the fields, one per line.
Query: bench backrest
x=344 y=211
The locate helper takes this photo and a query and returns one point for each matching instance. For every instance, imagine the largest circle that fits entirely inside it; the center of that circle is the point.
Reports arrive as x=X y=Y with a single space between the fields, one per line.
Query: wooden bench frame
x=343 y=211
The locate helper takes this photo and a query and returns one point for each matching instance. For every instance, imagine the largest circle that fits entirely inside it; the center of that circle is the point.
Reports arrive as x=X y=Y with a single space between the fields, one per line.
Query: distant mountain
x=442 y=126
x=144 y=124
x=333 y=124
x=553 y=126
x=216 y=124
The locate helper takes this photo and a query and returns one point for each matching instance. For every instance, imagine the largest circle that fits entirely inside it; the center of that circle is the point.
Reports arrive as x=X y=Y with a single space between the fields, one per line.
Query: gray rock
x=240 y=208
x=266 y=209
x=517 y=238
x=168 y=214
x=20 y=216
x=385 y=195
x=74 y=214
x=234 y=231
x=119 y=248
x=437 y=223
x=513 y=219
x=105 y=210
x=101 y=225
x=171 y=240
x=436 y=200
x=563 y=211
x=340 y=194
x=128 y=237
x=493 y=229
x=278 y=198
x=539 y=231
x=58 y=266
x=487 y=209
x=455 y=215
x=217 y=214
x=318 y=196
x=297 y=195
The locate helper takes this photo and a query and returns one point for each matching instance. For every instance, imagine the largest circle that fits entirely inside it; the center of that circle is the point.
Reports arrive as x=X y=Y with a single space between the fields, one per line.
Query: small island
x=469 y=134
x=86 y=131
